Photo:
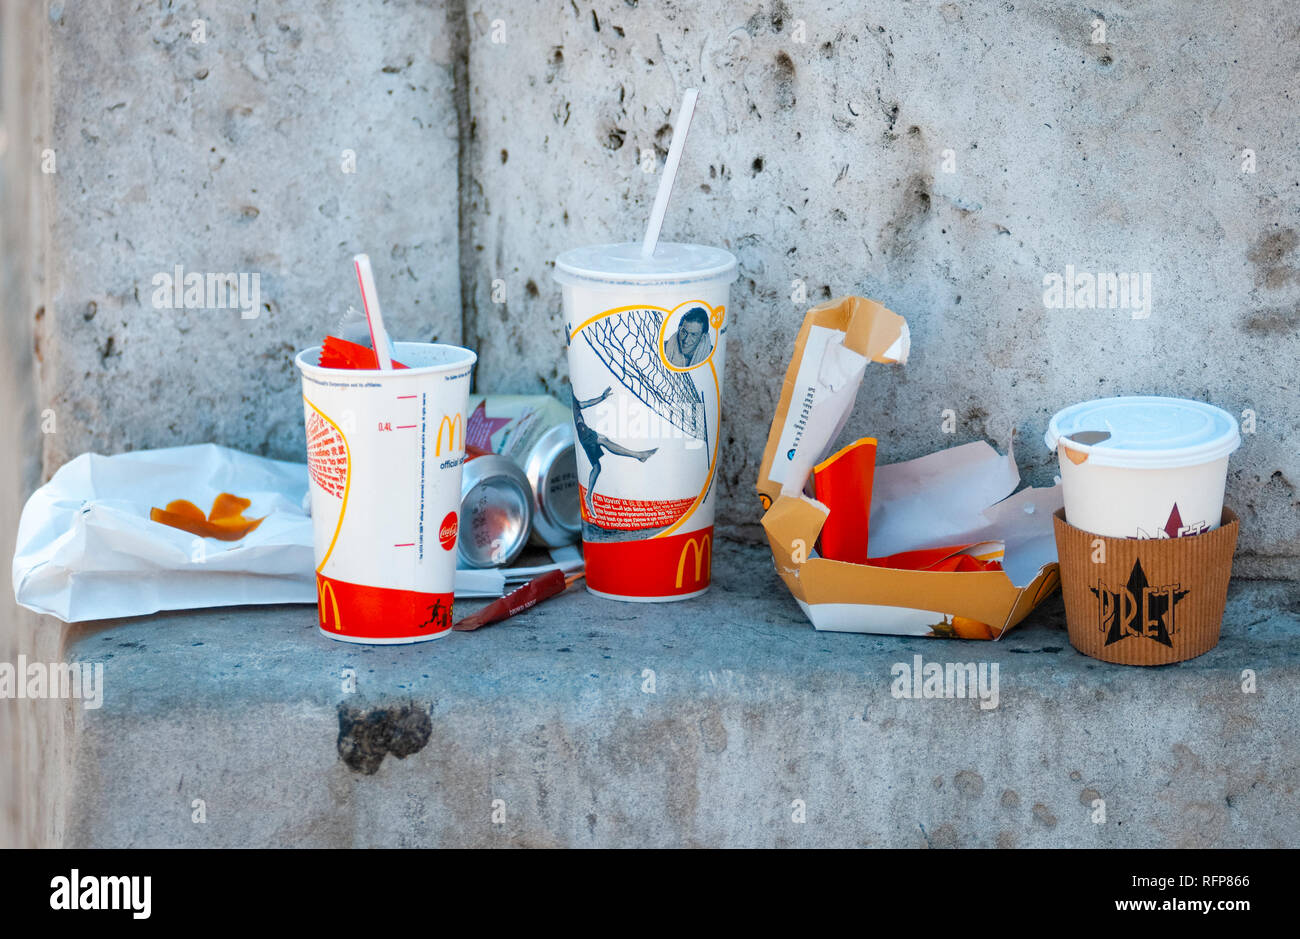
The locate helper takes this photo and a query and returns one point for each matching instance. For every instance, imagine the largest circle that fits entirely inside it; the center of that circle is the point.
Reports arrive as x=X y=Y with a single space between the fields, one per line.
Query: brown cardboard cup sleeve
x=1145 y=601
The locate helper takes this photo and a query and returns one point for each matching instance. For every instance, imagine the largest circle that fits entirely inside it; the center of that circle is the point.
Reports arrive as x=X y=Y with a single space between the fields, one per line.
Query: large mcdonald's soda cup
x=384 y=455
x=647 y=345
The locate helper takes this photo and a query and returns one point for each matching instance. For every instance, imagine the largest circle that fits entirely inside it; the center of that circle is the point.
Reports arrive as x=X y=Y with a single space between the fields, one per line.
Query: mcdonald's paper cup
x=647 y=346
x=1143 y=467
x=384 y=453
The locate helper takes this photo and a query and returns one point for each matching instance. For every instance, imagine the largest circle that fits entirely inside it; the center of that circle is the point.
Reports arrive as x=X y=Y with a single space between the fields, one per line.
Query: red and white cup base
x=653 y=570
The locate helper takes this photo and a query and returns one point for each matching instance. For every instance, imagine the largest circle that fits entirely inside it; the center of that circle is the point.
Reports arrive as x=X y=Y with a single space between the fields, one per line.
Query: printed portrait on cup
x=689 y=341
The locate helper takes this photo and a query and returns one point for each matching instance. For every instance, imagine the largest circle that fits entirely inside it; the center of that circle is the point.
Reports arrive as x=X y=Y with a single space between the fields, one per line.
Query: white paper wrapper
x=963 y=495
x=88 y=550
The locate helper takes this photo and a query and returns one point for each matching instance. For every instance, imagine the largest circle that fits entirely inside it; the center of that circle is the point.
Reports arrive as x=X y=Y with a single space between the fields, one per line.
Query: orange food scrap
x=227 y=506
x=966 y=628
x=225 y=522
x=185 y=510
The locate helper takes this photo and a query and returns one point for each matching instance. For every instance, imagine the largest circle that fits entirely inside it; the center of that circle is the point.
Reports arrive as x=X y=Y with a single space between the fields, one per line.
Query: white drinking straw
x=682 y=125
x=370 y=300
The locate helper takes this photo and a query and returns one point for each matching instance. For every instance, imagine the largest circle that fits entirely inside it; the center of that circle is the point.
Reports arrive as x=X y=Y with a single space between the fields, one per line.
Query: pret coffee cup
x=384 y=454
x=647 y=344
x=1143 y=467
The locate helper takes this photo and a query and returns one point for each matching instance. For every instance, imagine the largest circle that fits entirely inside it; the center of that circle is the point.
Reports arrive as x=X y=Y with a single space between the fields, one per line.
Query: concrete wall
x=231 y=154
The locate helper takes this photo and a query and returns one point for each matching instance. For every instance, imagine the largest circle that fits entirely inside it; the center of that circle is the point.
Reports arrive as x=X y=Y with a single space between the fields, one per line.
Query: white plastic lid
x=623 y=264
x=1145 y=432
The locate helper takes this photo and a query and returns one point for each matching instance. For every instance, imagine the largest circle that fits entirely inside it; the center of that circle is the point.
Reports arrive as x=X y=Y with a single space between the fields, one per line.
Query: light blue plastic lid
x=622 y=264
x=1145 y=432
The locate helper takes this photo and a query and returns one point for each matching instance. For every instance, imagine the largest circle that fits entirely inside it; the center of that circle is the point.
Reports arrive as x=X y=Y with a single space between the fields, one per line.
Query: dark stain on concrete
x=1188 y=761
x=663 y=139
x=367 y=735
x=969 y=783
x=1274 y=321
x=890 y=110
x=554 y=63
x=1043 y=815
x=611 y=137
x=1089 y=796
x=665 y=749
x=713 y=732
x=1010 y=799
x=1270 y=254
x=1277 y=476
x=774 y=21
x=905 y=228
x=783 y=75
x=780 y=13
x=976 y=415
x=943 y=836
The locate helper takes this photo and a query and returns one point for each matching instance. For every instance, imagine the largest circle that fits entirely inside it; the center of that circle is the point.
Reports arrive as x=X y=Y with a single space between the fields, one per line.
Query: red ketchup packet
x=339 y=353
x=949 y=559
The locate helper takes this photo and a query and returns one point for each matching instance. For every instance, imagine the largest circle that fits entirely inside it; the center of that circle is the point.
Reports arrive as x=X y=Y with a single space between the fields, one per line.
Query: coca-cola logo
x=447 y=531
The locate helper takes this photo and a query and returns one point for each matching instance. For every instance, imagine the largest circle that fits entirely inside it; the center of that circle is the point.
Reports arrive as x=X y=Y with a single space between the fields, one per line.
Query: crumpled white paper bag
x=87 y=548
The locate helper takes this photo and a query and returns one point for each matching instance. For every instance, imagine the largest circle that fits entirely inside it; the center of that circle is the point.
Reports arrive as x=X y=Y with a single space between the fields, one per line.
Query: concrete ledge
x=752 y=710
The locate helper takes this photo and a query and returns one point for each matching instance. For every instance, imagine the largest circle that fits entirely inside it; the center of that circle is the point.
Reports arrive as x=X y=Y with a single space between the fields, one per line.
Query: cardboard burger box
x=963 y=497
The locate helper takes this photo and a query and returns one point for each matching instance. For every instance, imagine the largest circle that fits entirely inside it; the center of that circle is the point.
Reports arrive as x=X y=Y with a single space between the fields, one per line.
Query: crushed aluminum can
x=496 y=510
x=536 y=432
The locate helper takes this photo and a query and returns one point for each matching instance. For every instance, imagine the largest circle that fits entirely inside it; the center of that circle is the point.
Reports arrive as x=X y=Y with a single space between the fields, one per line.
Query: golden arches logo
x=702 y=549
x=324 y=587
x=452 y=424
